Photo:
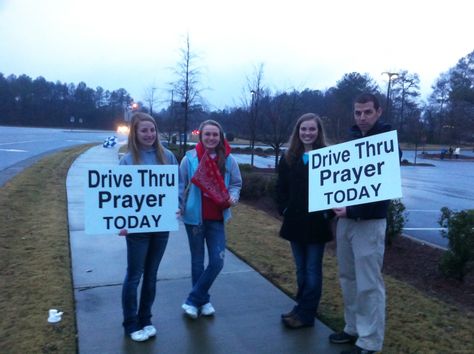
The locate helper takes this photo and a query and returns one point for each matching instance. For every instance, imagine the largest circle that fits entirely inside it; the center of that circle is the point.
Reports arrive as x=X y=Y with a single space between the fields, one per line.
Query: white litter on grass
x=54 y=316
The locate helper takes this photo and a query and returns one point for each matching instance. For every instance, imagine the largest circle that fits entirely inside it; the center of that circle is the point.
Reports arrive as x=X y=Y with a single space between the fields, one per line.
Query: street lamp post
x=152 y=101
x=253 y=117
x=390 y=76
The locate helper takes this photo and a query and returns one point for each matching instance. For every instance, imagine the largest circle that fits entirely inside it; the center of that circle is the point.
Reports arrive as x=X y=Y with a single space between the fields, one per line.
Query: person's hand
x=340 y=212
x=178 y=213
x=123 y=232
x=232 y=201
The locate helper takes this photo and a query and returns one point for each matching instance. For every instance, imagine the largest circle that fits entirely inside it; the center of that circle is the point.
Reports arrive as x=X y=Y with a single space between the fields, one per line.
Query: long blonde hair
x=296 y=147
x=133 y=145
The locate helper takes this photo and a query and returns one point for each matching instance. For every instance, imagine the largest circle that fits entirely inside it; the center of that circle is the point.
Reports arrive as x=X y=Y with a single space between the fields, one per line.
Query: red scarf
x=200 y=149
x=209 y=179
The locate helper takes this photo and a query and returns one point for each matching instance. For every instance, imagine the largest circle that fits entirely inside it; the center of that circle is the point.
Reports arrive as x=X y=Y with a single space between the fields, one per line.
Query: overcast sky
x=302 y=43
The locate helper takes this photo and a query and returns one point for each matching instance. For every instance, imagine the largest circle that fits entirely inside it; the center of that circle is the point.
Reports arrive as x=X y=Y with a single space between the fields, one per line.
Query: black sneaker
x=342 y=338
x=288 y=314
x=358 y=350
x=294 y=322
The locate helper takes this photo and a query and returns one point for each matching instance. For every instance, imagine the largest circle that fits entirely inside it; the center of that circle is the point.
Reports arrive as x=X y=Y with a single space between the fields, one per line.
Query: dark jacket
x=376 y=210
x=292 y=199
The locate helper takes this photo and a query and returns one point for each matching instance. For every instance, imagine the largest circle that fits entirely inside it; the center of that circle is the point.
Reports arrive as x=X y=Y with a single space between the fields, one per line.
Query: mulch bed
x=414 y=263
x=418 y=264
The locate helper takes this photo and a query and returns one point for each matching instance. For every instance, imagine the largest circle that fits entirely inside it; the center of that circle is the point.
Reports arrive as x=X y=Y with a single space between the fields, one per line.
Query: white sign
x=139 y=198
x=357 y=172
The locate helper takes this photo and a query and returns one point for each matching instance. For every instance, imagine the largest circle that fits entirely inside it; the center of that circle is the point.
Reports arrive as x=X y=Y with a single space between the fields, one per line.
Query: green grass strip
x=35 y=262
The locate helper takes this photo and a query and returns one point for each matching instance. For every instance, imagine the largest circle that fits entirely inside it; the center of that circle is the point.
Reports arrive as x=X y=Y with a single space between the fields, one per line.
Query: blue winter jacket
x=191 y=202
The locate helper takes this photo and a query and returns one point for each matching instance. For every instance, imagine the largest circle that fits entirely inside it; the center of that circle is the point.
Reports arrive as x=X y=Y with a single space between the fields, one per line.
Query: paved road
x=426 y=190
x=20 y=147
x=17 y=144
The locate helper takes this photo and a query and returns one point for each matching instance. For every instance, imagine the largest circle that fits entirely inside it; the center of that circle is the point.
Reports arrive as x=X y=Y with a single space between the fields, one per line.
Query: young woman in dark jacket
x=307 y=232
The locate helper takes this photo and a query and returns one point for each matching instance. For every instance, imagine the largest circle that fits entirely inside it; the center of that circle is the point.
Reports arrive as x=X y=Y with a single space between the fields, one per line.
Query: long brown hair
x=133 y=145
x=296 y=147
x=220 y=148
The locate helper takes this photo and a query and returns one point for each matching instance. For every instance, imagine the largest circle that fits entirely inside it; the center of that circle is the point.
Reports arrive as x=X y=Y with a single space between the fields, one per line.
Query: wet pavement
x=426 y=189
x=248 y=306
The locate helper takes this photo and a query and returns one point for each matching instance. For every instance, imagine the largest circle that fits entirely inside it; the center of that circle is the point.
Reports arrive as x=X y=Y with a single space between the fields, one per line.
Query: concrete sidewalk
x=247 y=306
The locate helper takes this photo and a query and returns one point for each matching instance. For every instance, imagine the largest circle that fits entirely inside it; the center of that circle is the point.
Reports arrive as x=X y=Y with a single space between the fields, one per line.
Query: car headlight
x=123 y=129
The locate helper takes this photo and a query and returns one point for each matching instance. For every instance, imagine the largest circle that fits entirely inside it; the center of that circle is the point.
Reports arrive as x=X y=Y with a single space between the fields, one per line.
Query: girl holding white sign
x=307 y=232
x=144 y=250
x=209 y=183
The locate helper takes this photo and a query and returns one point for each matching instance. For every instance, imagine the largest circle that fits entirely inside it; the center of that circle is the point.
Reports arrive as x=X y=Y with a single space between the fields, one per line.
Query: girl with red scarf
x=209 y=184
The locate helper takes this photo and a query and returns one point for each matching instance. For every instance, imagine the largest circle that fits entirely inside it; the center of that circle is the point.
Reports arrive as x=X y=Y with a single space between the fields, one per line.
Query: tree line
x=446 y=118
x=28 y=102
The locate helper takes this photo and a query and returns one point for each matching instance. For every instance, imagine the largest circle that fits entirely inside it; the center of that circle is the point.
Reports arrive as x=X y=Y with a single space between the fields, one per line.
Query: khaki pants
x=360 y=250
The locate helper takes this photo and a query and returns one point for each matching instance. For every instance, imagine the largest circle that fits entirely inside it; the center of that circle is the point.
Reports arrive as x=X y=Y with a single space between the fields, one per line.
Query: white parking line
x=19 y=142
x=423 y=242
x=424 y=228
x=12 y=150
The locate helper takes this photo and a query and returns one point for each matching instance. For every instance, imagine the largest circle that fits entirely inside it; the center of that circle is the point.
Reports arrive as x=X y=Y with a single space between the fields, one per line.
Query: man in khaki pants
x=360 y=249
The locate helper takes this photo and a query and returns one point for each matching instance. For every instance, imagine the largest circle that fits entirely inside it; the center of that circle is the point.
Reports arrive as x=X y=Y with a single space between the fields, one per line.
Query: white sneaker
x=150 y=330
x=139 y=336
x=190 y=310
x=208 y=309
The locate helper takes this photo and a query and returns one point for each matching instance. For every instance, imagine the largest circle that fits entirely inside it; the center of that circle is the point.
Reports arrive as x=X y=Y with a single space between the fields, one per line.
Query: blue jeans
x=309 y=277
x=144 y=254
x=213 y=234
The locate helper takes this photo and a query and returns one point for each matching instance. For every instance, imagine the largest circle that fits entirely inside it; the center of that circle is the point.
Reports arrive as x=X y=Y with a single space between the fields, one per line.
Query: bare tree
x=254 y=85
x=439 y=101
x=150 y=98
x=186 y=88
x=406 y=87
x=279 y=117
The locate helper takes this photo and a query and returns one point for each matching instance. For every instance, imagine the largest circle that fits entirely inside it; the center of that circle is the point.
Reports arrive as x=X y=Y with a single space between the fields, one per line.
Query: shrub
x=256 y=185
x=269 y=151
x=396 y=219
x=245 y=167
x=458 y=260
x=241 y=150
x=230 y=136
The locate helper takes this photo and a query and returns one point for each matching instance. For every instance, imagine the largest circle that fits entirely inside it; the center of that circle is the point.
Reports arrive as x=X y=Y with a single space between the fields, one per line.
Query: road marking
x=424 y=228
x=20 y=142
x=13 y=150
x=423 y=242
